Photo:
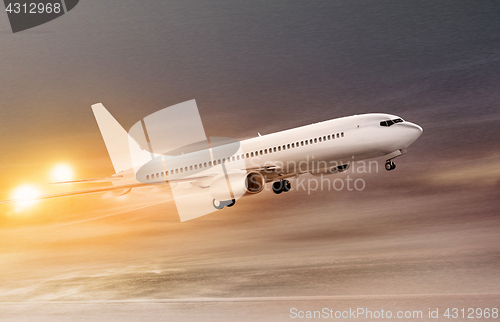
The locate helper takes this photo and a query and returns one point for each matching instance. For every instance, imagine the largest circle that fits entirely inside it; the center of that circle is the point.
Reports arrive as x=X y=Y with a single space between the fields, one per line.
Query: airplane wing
x=111 y=191
x=93 y=180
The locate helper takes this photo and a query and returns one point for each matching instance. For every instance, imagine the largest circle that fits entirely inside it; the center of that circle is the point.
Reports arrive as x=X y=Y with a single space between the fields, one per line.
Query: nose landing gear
x=281 y=186
x=389 y=165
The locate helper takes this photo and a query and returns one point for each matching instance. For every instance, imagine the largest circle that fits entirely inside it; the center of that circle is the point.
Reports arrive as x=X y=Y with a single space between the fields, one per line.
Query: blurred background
x=429 y=227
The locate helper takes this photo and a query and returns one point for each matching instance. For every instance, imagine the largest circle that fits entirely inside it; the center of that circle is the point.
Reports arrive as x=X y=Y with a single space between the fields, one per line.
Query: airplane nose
x=412 y=132
x=418 y=127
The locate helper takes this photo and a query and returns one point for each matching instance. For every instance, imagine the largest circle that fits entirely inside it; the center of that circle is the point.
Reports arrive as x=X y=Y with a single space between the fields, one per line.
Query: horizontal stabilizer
x=120 y=188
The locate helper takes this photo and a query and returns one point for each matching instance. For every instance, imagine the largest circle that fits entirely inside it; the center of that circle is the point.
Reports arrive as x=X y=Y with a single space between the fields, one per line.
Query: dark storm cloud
x=255 y=66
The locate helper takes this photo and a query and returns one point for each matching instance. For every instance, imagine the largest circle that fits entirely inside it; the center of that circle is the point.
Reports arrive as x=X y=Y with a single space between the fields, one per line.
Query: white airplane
x=229 y=170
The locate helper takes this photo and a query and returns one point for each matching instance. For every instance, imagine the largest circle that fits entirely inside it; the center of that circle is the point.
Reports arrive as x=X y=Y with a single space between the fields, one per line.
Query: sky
x=254 y=66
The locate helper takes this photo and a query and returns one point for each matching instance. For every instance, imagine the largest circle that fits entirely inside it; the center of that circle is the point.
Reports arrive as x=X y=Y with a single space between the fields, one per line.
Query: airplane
x=229 y=170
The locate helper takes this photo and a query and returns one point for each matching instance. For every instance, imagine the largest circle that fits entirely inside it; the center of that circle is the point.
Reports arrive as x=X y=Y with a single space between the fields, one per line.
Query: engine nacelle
x=238 y=183
x=254 y=182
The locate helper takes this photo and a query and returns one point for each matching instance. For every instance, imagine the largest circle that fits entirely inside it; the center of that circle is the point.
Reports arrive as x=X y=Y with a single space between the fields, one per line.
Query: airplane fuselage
x=329 y=143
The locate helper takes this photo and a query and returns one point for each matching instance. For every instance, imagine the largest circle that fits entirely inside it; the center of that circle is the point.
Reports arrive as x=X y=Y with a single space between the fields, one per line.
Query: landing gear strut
x=389 y=165
x=281 y=186
x=221 y=204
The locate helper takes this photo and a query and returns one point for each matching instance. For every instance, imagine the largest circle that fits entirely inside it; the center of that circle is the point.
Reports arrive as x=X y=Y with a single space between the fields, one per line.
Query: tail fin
x=122 y=148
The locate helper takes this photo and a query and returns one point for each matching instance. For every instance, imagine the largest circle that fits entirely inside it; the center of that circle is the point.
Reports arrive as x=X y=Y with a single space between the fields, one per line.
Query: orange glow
x=62 y=172
x=26 y=196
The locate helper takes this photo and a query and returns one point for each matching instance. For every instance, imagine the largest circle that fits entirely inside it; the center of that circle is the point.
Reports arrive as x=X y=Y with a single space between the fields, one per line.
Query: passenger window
x=315 y=140
x=191 y=168
x=311 y=141
x=293 y=145
x=147 y=177
x=182 y=170
x=284 y=147
x=261 y=152
x=338 y=135
x=324 y=138
x=342 y=134
x=279 y=148
x=219 y=161
x=302 y=143
x=288 y=146
x=329 y=137
x=307 y=142
x=176 y=170
x=171 y=172
x=274 y=149
x=320 y=139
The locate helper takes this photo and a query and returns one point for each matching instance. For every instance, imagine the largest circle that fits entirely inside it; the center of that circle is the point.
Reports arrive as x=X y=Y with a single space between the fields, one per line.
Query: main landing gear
x=281 y=186
x=389 y=165
x=221 y=204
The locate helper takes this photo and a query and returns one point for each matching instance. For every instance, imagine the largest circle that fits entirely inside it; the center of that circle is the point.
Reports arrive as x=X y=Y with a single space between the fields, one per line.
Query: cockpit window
x=391 y=122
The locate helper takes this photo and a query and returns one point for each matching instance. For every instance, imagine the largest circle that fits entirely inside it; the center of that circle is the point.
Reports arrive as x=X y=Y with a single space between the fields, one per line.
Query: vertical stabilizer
x=121 y=147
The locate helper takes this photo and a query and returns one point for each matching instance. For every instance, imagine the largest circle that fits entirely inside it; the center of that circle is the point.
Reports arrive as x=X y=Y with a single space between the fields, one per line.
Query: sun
x=62 y=172
x=26 y=196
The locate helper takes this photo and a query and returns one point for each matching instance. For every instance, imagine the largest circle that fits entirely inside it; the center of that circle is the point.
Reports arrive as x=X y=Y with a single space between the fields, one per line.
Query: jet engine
x=233 y=185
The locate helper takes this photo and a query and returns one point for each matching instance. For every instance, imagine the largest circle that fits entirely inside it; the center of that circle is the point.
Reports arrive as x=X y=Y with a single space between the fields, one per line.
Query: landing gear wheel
x=278 y=187
x=218 y=204
x=389 y=165
x=286 y=186
x=230 y=203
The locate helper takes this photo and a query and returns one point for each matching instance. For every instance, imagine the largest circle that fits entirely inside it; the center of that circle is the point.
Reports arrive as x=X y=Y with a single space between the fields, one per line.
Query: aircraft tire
x=230 y=203
x=286 y=186
x=218 y=204
x=277 y=187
